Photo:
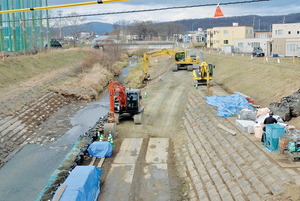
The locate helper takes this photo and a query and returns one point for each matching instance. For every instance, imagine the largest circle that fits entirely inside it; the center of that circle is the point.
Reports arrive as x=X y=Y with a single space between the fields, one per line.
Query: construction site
x=186 y=123
x=178 y=150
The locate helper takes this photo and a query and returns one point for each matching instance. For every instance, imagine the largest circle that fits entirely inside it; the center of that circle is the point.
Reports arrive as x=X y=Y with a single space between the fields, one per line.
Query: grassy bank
x=14 y=70
x=90 y=71
x=264 y=82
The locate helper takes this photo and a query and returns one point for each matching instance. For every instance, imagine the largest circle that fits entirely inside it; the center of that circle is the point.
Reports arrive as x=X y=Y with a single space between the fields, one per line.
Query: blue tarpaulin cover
x=83 y=184
x=100 y=149
x=230 y=103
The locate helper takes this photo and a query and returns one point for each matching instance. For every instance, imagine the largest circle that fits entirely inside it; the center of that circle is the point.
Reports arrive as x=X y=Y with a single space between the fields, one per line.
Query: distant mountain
x=96 y=27
x=262 y=23
x=99 y=27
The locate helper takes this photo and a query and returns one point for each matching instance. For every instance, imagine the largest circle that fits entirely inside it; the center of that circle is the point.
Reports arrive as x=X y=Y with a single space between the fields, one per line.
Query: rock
x=45 y=141
x=38 y=140
x=52 y=139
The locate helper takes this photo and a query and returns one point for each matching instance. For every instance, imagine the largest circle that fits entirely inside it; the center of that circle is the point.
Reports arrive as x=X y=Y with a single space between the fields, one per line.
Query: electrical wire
x=145 y=10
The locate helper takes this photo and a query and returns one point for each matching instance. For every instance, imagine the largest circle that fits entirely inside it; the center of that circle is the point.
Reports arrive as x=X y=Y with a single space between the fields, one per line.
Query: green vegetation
x=133 y=78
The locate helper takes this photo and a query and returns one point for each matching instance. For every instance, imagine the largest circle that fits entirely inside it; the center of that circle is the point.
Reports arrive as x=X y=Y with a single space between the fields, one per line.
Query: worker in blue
x=268 y=120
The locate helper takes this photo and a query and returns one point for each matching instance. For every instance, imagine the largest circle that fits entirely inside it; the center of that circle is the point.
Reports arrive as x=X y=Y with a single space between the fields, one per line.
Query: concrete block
x=250 y=129
x=243 y=124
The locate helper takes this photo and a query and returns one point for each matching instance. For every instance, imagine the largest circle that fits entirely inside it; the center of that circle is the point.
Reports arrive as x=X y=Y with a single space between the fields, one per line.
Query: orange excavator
x=123 y=103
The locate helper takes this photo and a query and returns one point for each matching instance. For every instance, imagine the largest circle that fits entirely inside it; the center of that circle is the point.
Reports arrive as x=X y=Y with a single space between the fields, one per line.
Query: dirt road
x=162 y=120
x=204 y=162
x=179 y=152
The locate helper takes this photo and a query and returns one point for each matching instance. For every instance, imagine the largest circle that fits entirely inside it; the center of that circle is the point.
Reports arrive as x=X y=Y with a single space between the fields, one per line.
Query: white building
x=246 y=45
x=286 y=39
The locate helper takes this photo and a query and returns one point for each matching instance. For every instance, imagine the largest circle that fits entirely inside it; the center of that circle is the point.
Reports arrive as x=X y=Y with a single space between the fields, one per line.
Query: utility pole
x=48 y=32
x=41 y=27
x=253 y=22
x=60 y=14
x=259 y=25
x=283 y=20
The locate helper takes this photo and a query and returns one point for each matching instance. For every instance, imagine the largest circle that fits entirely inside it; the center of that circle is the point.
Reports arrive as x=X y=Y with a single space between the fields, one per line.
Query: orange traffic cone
x=218 y=12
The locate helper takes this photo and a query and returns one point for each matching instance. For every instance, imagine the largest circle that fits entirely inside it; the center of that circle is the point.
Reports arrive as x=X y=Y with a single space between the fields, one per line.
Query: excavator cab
x=179 y=56
x=133 y=101
x=122 y=102
x=204 y=74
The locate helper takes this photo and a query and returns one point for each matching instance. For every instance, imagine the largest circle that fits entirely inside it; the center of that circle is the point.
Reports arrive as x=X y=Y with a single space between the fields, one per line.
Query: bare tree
x=149 y=30
x=54 y=24
x=120 y=29
x=74 y=26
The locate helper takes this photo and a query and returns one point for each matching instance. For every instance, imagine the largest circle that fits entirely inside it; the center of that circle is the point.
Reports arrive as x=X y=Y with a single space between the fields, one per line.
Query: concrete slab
x=155 y=183
x=243 y=124
x=157 y=151
x=118 y=183
x=129 y=151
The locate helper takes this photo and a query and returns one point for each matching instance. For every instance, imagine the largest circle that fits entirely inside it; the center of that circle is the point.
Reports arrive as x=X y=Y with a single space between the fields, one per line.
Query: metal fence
x=17 y=33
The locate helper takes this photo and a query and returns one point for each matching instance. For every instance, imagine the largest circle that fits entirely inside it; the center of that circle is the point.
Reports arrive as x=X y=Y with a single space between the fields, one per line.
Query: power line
x=144 y=10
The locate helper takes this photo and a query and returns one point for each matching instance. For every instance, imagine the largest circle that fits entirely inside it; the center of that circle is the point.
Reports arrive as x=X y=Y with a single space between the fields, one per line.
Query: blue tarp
x=225 y=104
x=100 y=149
x=83 y=184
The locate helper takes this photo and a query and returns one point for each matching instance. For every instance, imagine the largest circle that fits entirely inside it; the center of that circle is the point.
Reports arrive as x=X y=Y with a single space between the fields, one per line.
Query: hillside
x=259 y=22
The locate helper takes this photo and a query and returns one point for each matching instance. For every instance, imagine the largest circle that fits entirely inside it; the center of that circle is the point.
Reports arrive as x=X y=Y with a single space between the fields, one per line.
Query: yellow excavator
x=181 y=61
x=204 y=74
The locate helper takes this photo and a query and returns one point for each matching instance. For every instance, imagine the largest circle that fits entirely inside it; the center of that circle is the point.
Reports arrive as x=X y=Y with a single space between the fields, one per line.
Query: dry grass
x=18 y=73
x=87 y=85
x=265 y=82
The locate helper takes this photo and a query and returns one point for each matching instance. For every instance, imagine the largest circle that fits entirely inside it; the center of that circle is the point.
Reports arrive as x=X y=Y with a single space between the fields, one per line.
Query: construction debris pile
x=288 y=108
x=276 y=137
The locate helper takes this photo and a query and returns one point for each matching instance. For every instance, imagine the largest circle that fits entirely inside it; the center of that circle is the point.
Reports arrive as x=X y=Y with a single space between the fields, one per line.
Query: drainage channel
x=25 y=175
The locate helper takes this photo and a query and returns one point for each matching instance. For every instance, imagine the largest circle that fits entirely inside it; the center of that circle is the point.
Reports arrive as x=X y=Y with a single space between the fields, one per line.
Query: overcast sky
x=272 y=7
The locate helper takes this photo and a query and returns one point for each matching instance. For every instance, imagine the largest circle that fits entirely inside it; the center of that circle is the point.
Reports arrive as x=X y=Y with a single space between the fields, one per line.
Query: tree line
x=148 y=30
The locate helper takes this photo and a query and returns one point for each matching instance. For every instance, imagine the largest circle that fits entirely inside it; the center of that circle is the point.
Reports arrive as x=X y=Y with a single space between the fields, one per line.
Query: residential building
x=209 y=38
x=286 y=39
x=220 y=36
x=246 y=45
x=263 y=34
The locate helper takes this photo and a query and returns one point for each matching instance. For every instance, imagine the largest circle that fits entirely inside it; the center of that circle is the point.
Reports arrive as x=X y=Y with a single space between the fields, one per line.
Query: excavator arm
x=116 y=92
x=147 y=55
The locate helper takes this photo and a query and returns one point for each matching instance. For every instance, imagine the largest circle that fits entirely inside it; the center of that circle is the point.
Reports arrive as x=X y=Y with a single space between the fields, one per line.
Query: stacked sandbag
x=246 y=114
x=293 y=103
x=281 y=109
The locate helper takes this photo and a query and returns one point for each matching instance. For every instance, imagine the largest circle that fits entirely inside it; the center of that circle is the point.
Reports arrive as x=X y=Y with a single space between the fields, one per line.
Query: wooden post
x=294 y=57
x=60 y=192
